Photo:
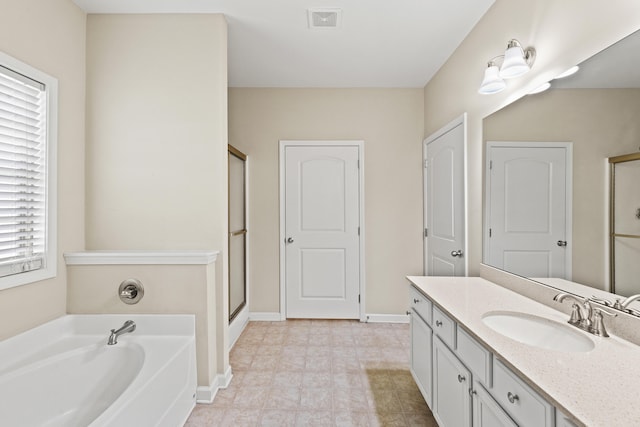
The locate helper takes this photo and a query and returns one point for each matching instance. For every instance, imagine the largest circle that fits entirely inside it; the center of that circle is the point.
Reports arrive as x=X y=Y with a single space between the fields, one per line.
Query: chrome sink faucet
x=582 y=310
x=584 y=316
x=624 y=304
x=128 y=327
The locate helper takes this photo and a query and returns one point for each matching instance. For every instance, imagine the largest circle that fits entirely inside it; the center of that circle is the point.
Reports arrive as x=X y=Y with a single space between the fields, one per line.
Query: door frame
x=568 y=146
x=460 y=120
x=361 y=268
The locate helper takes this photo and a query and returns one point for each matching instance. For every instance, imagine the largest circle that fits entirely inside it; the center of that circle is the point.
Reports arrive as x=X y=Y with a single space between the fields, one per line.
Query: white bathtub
x=63 y=373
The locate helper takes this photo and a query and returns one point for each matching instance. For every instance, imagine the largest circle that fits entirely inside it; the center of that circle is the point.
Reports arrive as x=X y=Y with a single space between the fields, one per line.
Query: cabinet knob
x=472 y=392
x=438 y=323
x=408 y=312
x=415 y=300
x=512 y=397
x=461 y=378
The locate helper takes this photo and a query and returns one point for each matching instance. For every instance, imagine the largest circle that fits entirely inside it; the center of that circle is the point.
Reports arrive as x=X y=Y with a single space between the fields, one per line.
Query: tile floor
x=318 y=373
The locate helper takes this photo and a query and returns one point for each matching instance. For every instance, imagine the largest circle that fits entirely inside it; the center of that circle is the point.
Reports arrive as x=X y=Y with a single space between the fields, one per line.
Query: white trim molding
x=196 y=257
x=237 y=325
x=206 y=394
x=265 y=317
x=387 y=318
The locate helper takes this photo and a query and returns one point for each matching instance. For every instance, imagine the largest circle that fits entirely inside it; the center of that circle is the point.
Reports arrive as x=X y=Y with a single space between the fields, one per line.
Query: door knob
x=456 y=253
x=562 y=243
x=290 y=240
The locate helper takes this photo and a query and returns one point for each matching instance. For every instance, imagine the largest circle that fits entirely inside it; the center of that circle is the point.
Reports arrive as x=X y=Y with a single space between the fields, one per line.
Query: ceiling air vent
x=324 y=18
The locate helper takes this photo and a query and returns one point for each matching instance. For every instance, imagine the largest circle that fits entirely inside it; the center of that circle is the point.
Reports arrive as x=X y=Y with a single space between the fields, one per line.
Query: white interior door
x=444 y=203
x=528 y=222
x=322 y=242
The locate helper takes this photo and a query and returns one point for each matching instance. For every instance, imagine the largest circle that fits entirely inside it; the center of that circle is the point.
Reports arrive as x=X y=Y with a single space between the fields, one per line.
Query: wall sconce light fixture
x=492 y=82
x=516 y=61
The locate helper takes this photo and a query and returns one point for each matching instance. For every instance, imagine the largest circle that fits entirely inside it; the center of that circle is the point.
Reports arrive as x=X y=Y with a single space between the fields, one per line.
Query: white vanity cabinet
x=451 y=385
x=486 y=412
x=421 y=352
x=462 y=382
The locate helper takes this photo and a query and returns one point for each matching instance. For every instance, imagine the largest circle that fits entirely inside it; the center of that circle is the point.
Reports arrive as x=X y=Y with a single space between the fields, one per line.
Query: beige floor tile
x=251 y=397
x=347 y=379
x=314 y=419
x=205 y=416
x=350 y=400
x=278 y=418
x=316 y=399
x=421 y=420
x=317 y=364
x=265 y=363
x=241 y=418
x=257 y=379
x=351 y=419
x=316 y=379
x=319 y=373
x=287 y=379
x=284 y=398
x=395 y=419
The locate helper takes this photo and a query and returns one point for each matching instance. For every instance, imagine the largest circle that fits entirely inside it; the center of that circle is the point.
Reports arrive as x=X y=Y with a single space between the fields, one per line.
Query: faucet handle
x=576 y=314
x=602 y=301
x=598 y=322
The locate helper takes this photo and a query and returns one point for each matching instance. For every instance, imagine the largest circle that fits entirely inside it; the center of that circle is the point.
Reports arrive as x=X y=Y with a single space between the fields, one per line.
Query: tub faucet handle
x=131 y=291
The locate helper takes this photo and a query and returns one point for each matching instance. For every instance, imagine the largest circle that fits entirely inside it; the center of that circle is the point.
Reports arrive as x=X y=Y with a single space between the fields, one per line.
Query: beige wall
x=601 y=123
x=50 y=36
x=156 y=131
x=157 y=139
x=390 y=121
x=564 y=33
x=168 y=289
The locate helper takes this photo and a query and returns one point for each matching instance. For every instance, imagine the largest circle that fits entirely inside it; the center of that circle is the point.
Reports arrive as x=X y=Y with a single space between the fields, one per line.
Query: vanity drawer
x=444 y=327
x=475 y=356
x=562 y=420
x=525 y=406
x=421 y=304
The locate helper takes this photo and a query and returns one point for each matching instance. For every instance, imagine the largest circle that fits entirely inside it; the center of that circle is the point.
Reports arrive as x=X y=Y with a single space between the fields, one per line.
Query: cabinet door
x=486 y=412
x=451 y=388
x=421 y=352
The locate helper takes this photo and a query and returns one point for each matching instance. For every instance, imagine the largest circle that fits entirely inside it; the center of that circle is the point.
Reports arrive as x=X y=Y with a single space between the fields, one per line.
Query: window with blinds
x=23 y=173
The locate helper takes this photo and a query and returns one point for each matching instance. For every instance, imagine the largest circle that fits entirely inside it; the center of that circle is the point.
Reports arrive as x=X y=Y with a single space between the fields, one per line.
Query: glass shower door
x=625 y=224
x=237 y=232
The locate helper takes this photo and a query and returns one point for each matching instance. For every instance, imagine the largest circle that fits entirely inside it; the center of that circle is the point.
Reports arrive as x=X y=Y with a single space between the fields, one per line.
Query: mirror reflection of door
x=237 y=232
x=528 y=208
x=625 y=224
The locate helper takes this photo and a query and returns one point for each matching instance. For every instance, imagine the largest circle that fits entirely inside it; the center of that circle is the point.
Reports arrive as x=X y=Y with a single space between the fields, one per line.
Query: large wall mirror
x=547 y=173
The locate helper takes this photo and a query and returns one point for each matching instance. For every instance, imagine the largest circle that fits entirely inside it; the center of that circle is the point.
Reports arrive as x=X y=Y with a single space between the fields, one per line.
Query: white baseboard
x=265 y=317
x=237 y=326
x=206 y=394
x=225 y=379
x=387 y=318
x=371 y=318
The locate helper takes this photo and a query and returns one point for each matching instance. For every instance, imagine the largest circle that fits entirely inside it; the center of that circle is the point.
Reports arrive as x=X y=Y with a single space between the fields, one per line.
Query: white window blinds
x=22 y=173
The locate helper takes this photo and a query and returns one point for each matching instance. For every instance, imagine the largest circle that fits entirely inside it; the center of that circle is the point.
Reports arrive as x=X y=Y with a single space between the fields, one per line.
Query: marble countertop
x=596 y=388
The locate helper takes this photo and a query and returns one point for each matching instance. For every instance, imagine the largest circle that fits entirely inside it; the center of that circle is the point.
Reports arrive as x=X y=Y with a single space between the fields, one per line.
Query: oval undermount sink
x=538 y=331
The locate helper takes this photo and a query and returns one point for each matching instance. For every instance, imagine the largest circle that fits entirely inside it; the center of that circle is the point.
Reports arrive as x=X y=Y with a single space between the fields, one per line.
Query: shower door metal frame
x=242 y=232
x=612 y=230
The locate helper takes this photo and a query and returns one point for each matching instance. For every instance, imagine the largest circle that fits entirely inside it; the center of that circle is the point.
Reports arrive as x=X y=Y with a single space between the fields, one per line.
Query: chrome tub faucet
x=128 y=327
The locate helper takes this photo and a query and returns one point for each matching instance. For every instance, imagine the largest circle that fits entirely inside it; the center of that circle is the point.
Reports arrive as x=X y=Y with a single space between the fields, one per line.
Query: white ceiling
x=381 y=43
